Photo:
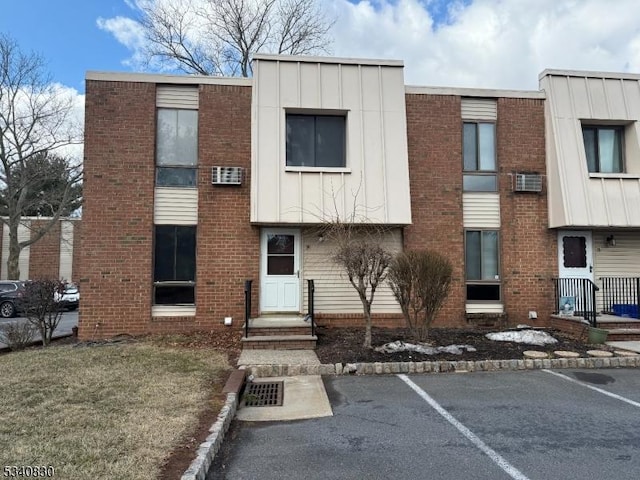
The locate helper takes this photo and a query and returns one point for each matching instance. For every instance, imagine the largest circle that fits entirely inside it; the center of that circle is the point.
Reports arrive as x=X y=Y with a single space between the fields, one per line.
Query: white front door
x=575 y=254
x=280 y=270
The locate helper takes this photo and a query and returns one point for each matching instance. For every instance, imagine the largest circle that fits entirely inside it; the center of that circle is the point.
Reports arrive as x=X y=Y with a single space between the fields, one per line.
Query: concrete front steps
x=279 y=333
x=620 y=328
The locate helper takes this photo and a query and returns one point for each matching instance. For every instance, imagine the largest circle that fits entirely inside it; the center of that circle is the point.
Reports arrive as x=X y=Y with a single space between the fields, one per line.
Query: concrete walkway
x=632 y=346
x=278 y=357
x=304 y=395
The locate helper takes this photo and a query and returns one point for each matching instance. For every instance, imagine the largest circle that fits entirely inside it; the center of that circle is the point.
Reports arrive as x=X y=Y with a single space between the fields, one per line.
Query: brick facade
x=528 y=247
x=228 y=246
x=117 y=233
x=117 y=215
x=434 y=134
x=117 y=229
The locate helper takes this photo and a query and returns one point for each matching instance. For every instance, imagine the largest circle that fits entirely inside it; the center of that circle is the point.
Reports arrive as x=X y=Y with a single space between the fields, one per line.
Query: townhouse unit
x=593 y=165
x=205 y=197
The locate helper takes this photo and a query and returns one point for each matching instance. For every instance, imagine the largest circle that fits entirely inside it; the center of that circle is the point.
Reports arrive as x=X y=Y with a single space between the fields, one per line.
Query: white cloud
x=75 y=120
x=491 y=43
x=485 y=43
x=126 y=30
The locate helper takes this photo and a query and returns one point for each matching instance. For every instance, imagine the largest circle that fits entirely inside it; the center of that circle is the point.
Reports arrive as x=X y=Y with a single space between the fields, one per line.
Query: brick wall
x=117 y=235
x=44 y=254
x=228 y=246
x=434 y=130
x=117 y=215
x=528 y=247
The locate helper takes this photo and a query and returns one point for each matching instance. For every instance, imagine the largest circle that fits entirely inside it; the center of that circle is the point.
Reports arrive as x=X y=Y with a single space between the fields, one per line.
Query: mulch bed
x=345 y=345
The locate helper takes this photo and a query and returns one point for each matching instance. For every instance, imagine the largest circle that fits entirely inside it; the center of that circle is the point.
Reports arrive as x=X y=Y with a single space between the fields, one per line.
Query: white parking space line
x=492 y=454
x=596 y=389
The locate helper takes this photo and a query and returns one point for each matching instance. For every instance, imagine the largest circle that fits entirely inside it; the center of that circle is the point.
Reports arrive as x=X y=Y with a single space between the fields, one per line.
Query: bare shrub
x=17 y=335
x=420 y=281
x=41 y=306
x=360 y=253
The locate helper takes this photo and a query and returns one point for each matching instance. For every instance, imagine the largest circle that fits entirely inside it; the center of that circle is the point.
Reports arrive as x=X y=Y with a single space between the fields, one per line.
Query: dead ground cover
x=110 y=410
x=345 y=345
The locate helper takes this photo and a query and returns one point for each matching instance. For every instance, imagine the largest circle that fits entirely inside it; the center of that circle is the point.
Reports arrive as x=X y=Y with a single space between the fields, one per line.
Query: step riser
x=609 y=325
x=280 y=345
x=280 y=331
x=622 y=337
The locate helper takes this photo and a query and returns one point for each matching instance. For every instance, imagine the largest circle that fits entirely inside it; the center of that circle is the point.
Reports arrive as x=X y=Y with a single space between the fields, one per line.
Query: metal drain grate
x=264 y=394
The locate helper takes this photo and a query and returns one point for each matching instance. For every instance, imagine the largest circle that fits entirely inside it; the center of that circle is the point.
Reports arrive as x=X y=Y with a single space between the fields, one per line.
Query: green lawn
x=102 y=412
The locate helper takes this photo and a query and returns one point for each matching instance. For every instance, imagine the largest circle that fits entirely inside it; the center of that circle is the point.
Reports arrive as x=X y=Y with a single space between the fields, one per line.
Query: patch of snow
x=400 y=346
x=530 y=337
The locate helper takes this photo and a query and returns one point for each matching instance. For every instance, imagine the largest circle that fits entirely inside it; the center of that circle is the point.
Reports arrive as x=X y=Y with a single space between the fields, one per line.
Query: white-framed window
x=479 y=157
x=604 y=148
x=482 y=265
x=176 y=147
x=174 y=274
x=315 y=140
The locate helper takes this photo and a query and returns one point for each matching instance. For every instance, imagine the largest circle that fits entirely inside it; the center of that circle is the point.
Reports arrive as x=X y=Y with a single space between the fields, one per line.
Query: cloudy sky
x=470 y=43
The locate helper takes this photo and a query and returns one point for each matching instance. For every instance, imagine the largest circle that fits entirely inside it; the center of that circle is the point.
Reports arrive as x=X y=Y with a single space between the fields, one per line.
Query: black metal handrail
x=583 y=291
x=310 y=305
x=247 y=306
x=621 y=295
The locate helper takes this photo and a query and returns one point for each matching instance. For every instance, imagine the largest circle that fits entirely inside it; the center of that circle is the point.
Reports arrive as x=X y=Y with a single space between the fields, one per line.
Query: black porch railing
x=621 y=296
x=576 y=296
x=311 y=289
x=247 y=306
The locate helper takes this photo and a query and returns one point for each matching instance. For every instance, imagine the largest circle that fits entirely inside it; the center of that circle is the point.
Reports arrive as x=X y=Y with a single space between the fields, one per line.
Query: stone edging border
x=207 y=450
x=382 y=368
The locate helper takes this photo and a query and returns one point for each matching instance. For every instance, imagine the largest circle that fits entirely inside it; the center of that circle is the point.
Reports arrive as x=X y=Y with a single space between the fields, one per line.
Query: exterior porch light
x=611 y=241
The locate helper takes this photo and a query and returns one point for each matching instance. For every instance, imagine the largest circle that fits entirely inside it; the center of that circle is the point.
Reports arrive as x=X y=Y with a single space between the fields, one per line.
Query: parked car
x=70 y=297
x=11 y=294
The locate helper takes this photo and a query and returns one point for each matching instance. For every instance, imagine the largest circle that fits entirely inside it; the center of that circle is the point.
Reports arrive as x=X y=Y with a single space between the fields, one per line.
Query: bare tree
x=219 y=37
x=420 y=281
x=359 y=251
x=35 y=119
x=42 y=306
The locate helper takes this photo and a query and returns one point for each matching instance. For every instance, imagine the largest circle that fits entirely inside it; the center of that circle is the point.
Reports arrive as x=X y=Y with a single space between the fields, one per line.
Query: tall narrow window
x=603 y=148
x=479 y=157
x=174 y=265
x=482 y=265
x=316 y=141
x=176 y=147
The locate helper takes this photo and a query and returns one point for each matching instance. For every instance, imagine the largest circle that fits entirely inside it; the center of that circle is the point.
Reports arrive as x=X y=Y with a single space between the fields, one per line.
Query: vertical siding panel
x=66 y=250
x=24 y=233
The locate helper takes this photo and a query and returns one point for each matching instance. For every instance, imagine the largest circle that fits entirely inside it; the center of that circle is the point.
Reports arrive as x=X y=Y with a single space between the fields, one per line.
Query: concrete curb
x=210 y=447
x=382 y=368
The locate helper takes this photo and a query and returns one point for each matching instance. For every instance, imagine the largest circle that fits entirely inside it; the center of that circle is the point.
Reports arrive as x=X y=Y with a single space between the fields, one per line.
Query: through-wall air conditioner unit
x=226 y=176
x=528 y=182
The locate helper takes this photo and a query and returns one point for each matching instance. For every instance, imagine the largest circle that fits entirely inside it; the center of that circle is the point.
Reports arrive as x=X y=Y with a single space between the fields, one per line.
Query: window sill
x=630 y=176
x=318 y=169
x=173 y=311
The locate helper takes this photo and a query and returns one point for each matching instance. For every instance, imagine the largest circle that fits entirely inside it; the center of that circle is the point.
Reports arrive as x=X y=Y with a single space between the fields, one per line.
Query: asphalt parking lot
x=563 y=424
